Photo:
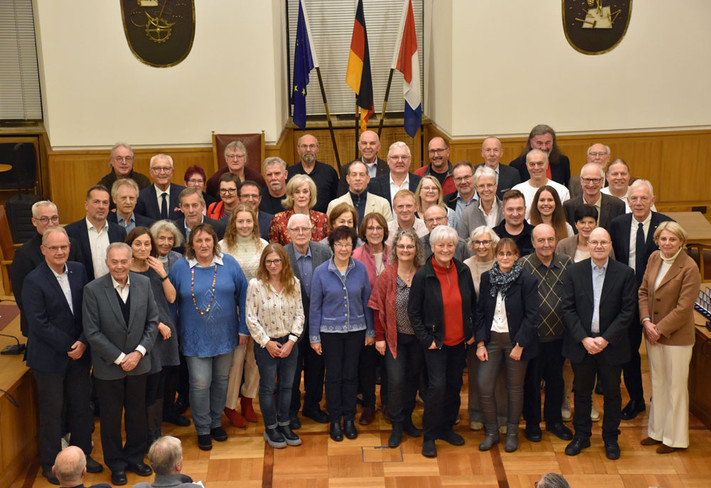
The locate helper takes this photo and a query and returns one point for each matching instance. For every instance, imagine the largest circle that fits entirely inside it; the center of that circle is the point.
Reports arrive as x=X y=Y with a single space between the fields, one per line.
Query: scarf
x=501 y=282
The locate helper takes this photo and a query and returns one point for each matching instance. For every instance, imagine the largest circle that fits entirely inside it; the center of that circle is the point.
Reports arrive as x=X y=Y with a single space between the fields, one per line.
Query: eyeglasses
x=308 y=146
x=462 y=178
x=481 y=243
x=438 y=150
x=598 y=243
x=121 y=159
x=56 y=249
x=228 y=191
x=586 y=181
x=235 y=156
x=405 y=247
x=272 y=262
x=299 y=230
x=507 y=254
x=343 y=245
x=435 y=220
x=161 y=169
x=597 y=154
x=249 y=196
x=194 y=181
x=46 y=220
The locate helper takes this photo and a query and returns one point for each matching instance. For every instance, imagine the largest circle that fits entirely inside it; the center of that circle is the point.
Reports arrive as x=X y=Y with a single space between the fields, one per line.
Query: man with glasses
x=358 y=195
x=324 y=175
x=305 y=255
x=592 y=176
x=598 y=154
x=251 y=194
x=121 y=162
x=437 y=215
x=161 y=200
x=440 y=167
x=488 y=211
x=399 y=176
x=235 y=163
x=599 y=300
x=463 y=178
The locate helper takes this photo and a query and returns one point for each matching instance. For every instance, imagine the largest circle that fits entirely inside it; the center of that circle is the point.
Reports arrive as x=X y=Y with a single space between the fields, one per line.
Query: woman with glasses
x=340 y=324
x=300 y=198
x=195 y=176
x=229 y=197
x=506 y=332
x=429 y=193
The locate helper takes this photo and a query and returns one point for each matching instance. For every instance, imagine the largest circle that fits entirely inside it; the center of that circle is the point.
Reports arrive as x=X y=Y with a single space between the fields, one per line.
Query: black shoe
x=560 y=431
x=204 y=442
x=141 y=469
x=336 y=431
x=93 y=466
x=315 y=414
x=452 y=438
x=395 y=435
x=47 y=473
x=274 y=438
x=219 y=434
x=612 y=450
x=410 y=428
x=294 y=421
x=289 y=436
x=533 y=432
x=577 y=445
x=118 y=478
x=598 y=388
x=349 y=429
x=181 y=404
x=176 y=419
x=632 y=409
x=429 y=449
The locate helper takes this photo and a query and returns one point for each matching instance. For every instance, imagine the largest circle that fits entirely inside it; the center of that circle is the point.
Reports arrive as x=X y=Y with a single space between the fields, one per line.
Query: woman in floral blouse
x=300 y=198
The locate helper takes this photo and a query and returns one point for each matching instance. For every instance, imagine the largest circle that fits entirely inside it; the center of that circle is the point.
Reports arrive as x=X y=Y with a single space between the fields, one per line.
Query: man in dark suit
x=192 y=205
x=305 y=255
x=29 y=255
x=398 y=176
x=160 y=200
x=56 y=350
x=121 y=321
x=324 y=175
x=121 y=162
x=633 y=242
x=506 y=177
x=369 y=146
x=251 y=194
x=124 y=194
x=70 y=468
x=597 y=153
x=94 y=233
x=598 y=305
x=592 y=176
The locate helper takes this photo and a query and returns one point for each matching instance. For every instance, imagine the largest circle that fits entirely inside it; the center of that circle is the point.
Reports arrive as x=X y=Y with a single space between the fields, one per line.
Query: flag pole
x=357 y=127
x=328 y=119
x=385 y=102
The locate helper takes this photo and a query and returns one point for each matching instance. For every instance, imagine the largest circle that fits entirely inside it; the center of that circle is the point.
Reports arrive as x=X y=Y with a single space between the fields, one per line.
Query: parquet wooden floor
x=244 y=461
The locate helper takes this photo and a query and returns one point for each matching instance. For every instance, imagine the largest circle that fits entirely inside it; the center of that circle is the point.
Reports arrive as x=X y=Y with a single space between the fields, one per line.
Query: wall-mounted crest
x=595 y=26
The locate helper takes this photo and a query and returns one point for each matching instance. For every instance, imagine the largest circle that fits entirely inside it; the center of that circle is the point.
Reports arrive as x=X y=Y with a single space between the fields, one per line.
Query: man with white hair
x=399 y=176
x=121 y=162
x=608 y=207
x=166 y=458
x=124 y=195
x=70 y=468
x=236 y=163
x=506 y=177
x=633 y=242
x=598 y=154
x=537 y=165
x=275 y=173
x=160 y=201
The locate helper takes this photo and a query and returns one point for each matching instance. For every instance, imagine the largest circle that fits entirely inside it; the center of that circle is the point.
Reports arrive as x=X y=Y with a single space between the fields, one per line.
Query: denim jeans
x=276 y=376
x=208 y=390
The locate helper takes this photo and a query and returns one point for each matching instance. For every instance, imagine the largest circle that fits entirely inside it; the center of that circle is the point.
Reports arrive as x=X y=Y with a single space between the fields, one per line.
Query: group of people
x=232 y=288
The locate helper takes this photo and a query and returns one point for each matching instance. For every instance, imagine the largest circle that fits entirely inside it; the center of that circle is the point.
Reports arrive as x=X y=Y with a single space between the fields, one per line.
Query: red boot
x=235 y=418
x=247 y=409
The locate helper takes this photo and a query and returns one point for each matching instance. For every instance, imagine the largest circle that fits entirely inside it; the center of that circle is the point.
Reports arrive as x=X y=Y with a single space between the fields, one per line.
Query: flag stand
x=328 y=119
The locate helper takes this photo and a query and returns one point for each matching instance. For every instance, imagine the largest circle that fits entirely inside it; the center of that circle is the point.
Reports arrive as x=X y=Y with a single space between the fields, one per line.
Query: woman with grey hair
x=394 y=336
x=441 y=302
x=167 y=236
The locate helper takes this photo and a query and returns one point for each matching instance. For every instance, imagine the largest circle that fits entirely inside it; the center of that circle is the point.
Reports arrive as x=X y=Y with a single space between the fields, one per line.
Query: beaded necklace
x=212 y=292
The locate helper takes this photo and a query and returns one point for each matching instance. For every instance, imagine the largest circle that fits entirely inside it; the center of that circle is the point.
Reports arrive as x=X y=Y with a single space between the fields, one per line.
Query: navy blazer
x=265 y=220
x=141 y=220
x=147 y=204
x=53 y=327
x=618 y=302
x=381 y=185
x=78 y=231
x=522 y=301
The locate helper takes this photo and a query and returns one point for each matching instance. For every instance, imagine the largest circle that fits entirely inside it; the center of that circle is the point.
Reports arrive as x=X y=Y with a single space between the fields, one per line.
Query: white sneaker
x=594 y=414
x=565 y=411
x=474 y=425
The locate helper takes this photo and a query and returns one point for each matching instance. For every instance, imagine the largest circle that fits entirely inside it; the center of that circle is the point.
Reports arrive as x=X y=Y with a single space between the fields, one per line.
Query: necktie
x=164 y=206
x=640 y=252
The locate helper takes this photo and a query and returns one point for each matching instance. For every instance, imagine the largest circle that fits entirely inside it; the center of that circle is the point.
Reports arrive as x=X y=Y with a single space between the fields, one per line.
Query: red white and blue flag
x=407 y=61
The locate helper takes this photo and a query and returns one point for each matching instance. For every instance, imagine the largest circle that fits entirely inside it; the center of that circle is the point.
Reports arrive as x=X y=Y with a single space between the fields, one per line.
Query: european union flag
x=303 y=64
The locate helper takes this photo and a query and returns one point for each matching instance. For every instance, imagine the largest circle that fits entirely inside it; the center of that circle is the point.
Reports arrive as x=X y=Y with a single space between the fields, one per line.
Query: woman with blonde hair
x=300 y=198
x=428 y=193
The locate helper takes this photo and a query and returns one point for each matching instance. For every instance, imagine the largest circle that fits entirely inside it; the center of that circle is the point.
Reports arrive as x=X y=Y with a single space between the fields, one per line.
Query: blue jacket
x=331 y=309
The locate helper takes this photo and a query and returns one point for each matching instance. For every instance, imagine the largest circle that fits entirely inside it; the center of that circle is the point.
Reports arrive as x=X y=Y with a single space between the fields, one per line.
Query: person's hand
x=591 y=346
x=155 y=264
x=316 y=346
x=131 y=360
x=286 y=349
x=471 y=341
x=516 y=353
x=601 y=342
x=651 y=332
x=481 y=352
x=369 y=341
x=433 y=345
x=77 y=350
x=164 y=330
x=273 y=348
x=380 y=347
x=243 y=340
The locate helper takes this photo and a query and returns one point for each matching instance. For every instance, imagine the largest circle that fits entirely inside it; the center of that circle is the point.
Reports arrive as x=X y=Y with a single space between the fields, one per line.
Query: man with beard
x=324 y=176
x=440 y=167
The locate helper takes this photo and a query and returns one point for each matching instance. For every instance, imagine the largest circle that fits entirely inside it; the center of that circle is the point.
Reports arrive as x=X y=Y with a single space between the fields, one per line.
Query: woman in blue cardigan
x=340 y=324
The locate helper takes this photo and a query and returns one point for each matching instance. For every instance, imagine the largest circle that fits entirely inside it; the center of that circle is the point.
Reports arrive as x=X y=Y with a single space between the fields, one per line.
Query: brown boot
x=247 y=409
x=235 y=418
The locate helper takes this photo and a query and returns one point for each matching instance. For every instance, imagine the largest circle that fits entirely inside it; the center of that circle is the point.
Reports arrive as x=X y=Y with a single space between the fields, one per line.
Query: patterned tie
x=640 y=252
x=164 y=206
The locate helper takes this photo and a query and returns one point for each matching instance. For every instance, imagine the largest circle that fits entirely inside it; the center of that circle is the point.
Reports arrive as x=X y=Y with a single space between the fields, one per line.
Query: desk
x=5 y=167
x=695 y=224
x=19 y=445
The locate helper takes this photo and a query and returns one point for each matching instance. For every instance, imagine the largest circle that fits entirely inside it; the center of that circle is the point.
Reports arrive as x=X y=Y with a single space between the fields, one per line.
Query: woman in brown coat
x=666 y=306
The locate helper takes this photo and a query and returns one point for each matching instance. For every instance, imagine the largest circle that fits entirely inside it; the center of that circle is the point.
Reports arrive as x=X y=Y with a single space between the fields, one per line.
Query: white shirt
x=529 y=192
x=123 y=293
x=633 y=238
x=500 y=323
x=98 y=243
x=492 y=219
x=394 y=187
x=606 y=191
x=63 y=280
x=159 y=192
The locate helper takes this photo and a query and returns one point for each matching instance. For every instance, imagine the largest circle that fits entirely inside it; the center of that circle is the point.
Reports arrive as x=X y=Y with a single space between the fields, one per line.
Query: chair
x=7 y=253
x=701 y=253
x=253 y=142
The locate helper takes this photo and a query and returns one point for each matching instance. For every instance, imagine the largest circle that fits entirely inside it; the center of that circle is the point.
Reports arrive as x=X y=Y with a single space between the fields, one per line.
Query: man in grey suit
x=488 y=210
x=305 y=255
x=592 y=176
x=120 y=321
x=506 y=177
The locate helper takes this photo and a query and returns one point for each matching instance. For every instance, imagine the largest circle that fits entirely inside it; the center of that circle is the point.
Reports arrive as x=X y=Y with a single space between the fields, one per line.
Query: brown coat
x=671 y=305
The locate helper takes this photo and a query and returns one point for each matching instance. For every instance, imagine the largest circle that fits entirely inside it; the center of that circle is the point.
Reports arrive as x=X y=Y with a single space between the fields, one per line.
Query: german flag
x=358 y=72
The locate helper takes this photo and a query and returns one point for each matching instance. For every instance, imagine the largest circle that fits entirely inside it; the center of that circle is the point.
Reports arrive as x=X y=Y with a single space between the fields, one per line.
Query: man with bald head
x=70 y=468
x=506 y=177
x=398 y=177
x=598 y=154
x=549 y=268
x=439 y=166
x=537 y=165
x=592 y=176
x=599 y=301
x=437 y=215
x=324 y=176
x=369 y=146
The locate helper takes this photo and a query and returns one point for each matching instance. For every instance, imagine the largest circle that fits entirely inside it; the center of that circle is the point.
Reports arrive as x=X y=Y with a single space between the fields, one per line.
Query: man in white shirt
x=537 y=165
x=399 y=176
x=160 y=201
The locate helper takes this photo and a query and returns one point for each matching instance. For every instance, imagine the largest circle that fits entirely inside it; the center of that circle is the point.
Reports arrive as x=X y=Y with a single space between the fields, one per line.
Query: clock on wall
x=595 y=26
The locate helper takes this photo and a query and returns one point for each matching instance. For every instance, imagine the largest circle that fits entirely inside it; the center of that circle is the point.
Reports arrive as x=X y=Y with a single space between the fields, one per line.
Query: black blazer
x=425 y=307
x=141 y=221
x=610 y=207
x=620 y=235
x=53 y=327
x=265 y=220
x=381 y=185
x=381 y=168
x=560 y=171
x=148 y=203
x=78 y=231
x=522 y=302
x=617 y=306
x=508 y=177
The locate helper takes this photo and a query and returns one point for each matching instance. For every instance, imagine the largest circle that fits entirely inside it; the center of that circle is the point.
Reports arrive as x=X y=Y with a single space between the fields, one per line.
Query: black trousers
x=632 y=370
x=312 y=365
x=125 y=396
x=340 y=354
x=583 y=385
x=369 y=363
x=548 y=365
x=445 y=367
x=403 y=376
x=72 y=389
